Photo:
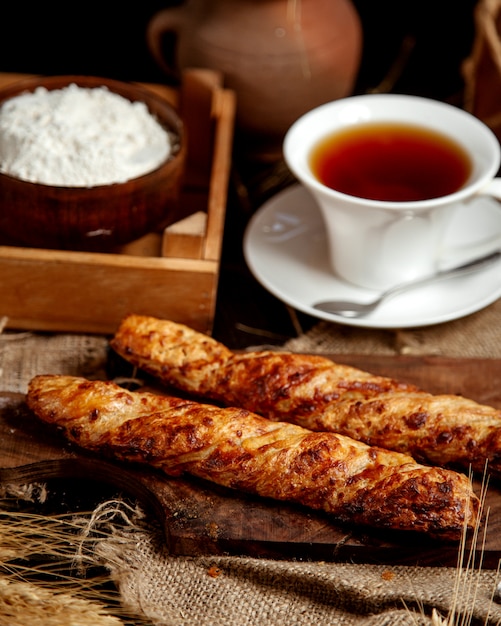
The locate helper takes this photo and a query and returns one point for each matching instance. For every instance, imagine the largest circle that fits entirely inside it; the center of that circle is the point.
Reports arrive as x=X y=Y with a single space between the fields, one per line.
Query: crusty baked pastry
x=314 y=392
x=353 y=482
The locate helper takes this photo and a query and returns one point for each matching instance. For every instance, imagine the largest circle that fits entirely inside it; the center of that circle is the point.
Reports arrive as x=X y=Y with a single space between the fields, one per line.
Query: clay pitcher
x=281 y=57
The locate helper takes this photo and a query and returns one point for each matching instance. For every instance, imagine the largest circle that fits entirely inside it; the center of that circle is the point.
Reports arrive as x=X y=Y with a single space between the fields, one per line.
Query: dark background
x=108 y=39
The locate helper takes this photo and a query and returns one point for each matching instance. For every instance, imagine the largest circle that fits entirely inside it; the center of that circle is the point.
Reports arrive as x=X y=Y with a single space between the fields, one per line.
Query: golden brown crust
x=318 y=394
x=235 y=448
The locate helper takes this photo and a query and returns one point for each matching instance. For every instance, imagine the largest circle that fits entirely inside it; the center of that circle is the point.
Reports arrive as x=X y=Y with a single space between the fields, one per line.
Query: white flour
x=79 y=137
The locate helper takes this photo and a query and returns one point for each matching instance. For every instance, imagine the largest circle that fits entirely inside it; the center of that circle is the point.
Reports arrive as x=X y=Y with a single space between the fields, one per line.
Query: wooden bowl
x=95 y=218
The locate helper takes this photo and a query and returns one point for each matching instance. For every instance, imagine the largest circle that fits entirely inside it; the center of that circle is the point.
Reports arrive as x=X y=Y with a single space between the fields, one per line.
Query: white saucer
x=286 y=250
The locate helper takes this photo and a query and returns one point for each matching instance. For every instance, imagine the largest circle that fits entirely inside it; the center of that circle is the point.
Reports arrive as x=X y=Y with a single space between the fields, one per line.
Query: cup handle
x=164 y=22
x=493 y=189
x=465 y=253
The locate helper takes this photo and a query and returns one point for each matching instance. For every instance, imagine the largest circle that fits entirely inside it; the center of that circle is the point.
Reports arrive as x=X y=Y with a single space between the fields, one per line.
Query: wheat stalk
x=45 y=563
x=468 y=571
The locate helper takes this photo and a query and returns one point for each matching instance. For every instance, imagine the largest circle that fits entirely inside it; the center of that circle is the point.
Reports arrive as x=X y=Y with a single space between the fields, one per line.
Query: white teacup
x=377 y=243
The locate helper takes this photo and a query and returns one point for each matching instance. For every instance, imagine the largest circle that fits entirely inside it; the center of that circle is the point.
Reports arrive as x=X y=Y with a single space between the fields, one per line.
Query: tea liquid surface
x=391 y=162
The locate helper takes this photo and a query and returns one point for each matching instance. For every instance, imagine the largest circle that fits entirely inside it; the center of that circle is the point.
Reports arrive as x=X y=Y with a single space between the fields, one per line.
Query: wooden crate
x=171 y=275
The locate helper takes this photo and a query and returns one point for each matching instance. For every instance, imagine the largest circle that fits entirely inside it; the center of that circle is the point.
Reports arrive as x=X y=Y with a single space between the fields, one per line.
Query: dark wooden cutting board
x=202 y=518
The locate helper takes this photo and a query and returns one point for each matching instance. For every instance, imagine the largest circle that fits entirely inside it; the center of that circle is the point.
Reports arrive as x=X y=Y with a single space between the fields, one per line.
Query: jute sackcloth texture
x=240 y=591
x=477 y=335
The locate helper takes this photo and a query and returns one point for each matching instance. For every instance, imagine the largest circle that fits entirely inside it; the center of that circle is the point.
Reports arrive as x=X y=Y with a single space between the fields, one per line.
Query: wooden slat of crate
x=90 y=292
x=55 y=290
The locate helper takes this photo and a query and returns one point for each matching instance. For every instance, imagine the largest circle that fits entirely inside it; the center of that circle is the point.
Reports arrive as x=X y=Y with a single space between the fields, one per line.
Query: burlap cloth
x=478 y=335
x=242 y=591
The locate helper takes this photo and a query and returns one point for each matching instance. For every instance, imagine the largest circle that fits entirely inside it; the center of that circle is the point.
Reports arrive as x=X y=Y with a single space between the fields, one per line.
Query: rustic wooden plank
x=202 y=518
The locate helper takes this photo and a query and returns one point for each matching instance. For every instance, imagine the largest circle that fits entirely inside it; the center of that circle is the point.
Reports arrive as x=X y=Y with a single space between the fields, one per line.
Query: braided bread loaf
x=314 y=392
x=347 y=479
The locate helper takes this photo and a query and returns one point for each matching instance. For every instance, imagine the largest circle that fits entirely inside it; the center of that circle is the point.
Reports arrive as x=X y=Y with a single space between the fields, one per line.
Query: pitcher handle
x=164 y=22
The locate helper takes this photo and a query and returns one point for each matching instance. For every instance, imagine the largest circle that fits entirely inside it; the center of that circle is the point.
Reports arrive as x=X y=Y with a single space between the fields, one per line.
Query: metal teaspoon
x=345 y=308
